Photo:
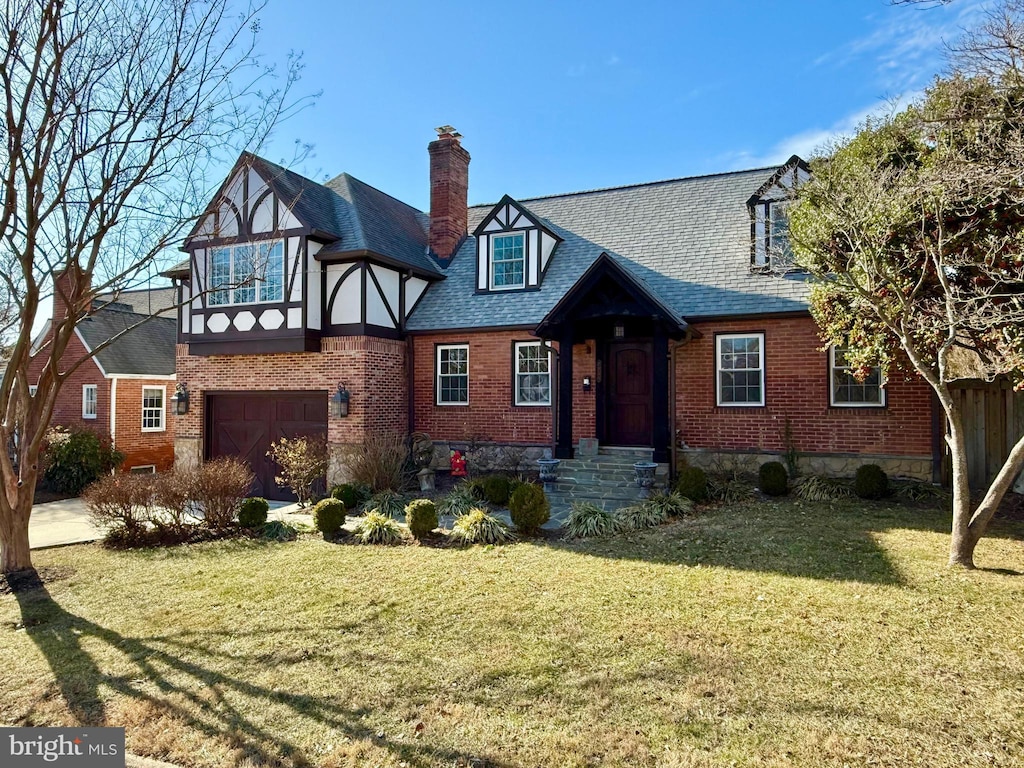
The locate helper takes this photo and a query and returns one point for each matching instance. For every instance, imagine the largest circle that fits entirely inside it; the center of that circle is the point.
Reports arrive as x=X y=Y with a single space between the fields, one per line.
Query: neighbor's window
x=32 y=389
x=533 y=374
x=88 y=401
x=453 y=374
x=255 y=270
x=508 y=260
x=846 y=391
x=153 y=409
x=739 y=369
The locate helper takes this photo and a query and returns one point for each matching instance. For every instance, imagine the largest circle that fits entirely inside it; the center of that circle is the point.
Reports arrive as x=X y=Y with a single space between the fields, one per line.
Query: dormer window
x=778 y=232
x=508 y=261
x=254 y=272
x=769 y=213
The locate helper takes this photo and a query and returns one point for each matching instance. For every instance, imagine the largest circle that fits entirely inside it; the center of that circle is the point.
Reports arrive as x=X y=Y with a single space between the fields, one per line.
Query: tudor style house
x=662 y=316
x=124 y=389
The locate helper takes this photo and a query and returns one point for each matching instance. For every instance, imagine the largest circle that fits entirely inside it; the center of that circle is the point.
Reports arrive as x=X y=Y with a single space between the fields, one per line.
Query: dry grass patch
x=782 y=634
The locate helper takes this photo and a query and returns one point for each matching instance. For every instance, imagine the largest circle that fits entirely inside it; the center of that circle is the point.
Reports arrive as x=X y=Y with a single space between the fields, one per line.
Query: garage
x=244 y=424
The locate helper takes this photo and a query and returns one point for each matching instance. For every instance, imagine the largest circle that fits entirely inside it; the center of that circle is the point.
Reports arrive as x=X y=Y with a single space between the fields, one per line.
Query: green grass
x=776 y=634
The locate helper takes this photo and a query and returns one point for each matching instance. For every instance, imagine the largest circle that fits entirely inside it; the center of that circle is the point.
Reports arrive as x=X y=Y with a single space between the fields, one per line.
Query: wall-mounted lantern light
x=179 y=400
x=619 y=331
x=340 y=401
x=586 y=384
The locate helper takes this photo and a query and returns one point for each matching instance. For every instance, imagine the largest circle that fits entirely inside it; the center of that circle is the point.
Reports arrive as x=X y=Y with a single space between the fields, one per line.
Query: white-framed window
x=532 y=374
x=32 y=389
x=452 y=374
x=778 y=232
x=508 y=261
x=844 y=389
x=739 y=369
x=88 y=401
x=153 y=399
x=256 y=270
x=143 y=469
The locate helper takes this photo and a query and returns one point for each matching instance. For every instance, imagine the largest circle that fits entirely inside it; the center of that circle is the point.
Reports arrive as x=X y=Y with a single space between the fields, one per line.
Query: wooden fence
x=993 y=417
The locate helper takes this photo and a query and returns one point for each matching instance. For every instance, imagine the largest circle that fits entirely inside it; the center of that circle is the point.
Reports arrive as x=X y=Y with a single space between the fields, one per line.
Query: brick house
x=662 y=316
x=123 y=390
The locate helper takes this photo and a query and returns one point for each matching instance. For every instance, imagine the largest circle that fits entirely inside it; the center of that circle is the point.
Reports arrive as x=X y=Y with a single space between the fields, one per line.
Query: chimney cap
x=447 y=130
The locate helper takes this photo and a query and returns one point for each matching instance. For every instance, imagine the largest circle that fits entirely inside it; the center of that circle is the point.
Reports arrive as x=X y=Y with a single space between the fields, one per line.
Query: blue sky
x=563 y=96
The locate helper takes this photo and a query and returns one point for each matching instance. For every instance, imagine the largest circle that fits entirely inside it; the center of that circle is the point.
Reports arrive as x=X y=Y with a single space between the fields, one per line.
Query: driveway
x=67 y=522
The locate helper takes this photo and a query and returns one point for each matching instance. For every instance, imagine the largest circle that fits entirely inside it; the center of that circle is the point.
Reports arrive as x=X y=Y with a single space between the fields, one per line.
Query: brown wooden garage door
x=244 y=424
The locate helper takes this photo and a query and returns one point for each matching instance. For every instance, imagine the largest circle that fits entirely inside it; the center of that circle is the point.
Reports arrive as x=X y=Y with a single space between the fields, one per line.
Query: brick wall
x=143 y=448
x=68 y=409
x=796 y=385
x=373 y=370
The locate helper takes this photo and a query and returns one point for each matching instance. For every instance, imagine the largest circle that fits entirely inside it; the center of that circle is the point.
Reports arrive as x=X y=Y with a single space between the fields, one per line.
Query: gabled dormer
x=514 y=249
x=769 y=221
x=252 y=283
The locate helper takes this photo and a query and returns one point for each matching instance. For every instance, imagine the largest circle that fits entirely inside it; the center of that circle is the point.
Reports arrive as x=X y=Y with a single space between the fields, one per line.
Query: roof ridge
x=633 y=186
x=107 y=308
x=375 y=189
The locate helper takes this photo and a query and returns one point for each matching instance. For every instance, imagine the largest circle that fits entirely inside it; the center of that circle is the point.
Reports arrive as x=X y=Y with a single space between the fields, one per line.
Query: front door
x=628 y=396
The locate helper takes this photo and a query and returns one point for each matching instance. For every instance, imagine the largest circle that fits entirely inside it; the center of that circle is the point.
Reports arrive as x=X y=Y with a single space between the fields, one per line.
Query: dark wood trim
x=563 y=445
x=376 y=258
x=295 y=263
x=261 y=346
x=328 y=307
x=403 y=278
x=527 y=289
x=363 y=329
x=383 y=298
x=259 y=201
x=659 y=395
x=410 y=310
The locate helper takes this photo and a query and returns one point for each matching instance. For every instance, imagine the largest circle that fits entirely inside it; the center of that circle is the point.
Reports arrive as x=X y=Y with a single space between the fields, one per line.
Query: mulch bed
x=26 y=581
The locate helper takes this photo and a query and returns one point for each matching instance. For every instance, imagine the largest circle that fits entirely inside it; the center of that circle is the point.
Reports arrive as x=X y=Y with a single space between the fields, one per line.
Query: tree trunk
x=964 y=539
x=14 y=550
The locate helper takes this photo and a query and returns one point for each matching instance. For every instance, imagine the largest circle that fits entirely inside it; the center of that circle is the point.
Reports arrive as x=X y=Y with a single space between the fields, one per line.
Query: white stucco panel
x=263 y=216
x=288 y=220
x=376 y=312
x=228 y=221
x=218 y=323
x=414 y=288
x=244 y=321
x=390 y=284
x=197 y=323
x=482 y=244
x=547 y=247
x=347 y=306
x=272 y=319
x=294 y=317
x=532 y=253
x=293 y=264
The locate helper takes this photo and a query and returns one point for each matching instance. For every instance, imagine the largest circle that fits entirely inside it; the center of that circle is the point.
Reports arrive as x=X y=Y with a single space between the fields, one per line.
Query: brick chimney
x=70 y=284
x=449 y=193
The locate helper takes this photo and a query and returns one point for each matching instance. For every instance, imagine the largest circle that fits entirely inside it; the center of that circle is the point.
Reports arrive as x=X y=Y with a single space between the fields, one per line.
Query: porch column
x=659 y=394
x=563 y=447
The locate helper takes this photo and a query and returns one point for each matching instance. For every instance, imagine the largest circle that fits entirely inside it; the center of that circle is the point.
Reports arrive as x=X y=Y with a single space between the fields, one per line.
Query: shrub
x=692 y=483
x=773 y=479
x=378 y=528
x=636 y=517
x=671 y=503
x=529 y=508
x=278 y=530
x=729 y=488
x=121 y=505
x=421 y=517
x=303 y=462
x=172 y=495
x=380 y=462
x=329 y=517
x=349 y=494
x=475 y=486
x=914 y=490
x=253 y=512
x=387 y=503
x=218 y=488
x=818 y=488
x=77 y=458
x=458 y=501
x=587 y=519
x=497 y=489
x=870 y=482
x=478 y=527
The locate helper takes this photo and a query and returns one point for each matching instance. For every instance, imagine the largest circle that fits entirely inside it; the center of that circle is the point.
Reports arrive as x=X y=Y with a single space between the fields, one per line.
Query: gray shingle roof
x=687 y=239
x=152 y=301
x=147 y=349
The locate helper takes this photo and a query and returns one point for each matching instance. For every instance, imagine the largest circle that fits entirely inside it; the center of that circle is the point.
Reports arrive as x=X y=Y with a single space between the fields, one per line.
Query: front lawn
x=755 y=635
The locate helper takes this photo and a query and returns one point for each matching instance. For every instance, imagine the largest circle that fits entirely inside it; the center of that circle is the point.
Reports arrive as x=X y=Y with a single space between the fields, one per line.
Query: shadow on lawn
x=61 y=636
x=836 y=542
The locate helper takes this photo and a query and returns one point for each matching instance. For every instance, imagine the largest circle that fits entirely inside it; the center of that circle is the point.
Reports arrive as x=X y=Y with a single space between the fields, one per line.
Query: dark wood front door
x=245 y=424
x=628 y=396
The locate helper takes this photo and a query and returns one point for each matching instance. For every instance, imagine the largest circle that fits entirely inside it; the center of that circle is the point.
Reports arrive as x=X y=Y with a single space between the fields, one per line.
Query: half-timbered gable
x=514 y=248
x=769 y=222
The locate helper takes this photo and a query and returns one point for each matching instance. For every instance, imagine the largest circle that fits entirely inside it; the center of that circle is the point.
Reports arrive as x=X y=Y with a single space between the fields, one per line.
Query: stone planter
x=426 y=476
x=549 y=473
x=644 y=471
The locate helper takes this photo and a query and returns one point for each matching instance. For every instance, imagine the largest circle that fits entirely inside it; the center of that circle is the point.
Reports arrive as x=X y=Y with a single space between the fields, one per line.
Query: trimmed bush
x=388 y=503
x=459 y=501
x=329 y=517
x=637 y=517
x=820 y=488
x=252 y=513
x=421 y=517
x=497 y=489
x=121 y=504
x=218 y=489
x=692 y=484
x=350 y=494
x=587 y=519
x=77 y=458
x=870 y=482
x=529 y=508
x=773 y=479
x=672 y=504
x=303 y=462
x=478 y=527
x=378 y=528
x=278 y=530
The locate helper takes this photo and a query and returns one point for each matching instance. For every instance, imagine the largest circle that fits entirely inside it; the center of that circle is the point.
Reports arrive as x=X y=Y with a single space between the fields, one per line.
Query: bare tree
x=114 y=113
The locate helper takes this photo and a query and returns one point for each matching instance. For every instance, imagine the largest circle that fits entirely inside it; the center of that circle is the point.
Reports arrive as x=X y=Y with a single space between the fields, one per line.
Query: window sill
x=154 y=429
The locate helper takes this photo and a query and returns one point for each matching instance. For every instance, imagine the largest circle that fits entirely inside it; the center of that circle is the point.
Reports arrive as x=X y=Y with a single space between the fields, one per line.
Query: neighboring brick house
x=688 y=329
x=123 y=390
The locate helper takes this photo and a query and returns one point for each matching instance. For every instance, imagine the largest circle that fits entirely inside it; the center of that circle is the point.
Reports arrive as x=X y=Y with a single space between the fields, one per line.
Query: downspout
x=113 y=412
x=546 y=344
x=674 y=451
